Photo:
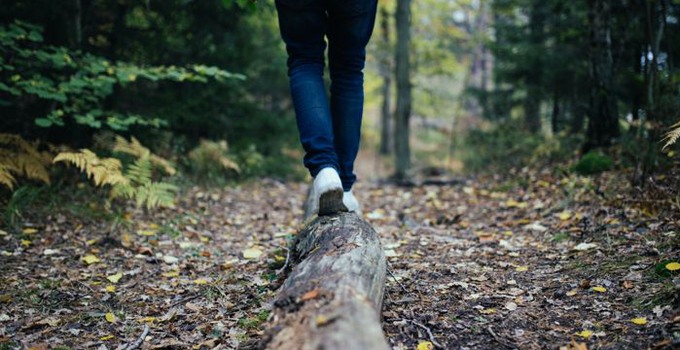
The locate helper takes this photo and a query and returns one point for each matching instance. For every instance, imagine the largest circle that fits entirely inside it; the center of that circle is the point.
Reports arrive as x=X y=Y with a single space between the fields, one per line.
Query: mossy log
x=333 y=296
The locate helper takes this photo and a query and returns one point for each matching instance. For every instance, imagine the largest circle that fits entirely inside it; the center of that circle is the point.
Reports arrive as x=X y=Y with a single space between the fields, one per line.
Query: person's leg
x=349 y=30
x=303 y=25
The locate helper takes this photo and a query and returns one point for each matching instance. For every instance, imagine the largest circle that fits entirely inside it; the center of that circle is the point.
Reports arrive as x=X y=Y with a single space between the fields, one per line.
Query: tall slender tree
x=403 y=110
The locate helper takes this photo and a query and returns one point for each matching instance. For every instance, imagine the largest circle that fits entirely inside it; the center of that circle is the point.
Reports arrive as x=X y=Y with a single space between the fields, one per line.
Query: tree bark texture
x=386 y=74
x=603 y=117
x=403 y=69
x=333 y=296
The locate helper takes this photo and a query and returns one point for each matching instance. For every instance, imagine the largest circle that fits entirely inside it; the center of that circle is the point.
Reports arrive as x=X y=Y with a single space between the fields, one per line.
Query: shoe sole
x=330 y=202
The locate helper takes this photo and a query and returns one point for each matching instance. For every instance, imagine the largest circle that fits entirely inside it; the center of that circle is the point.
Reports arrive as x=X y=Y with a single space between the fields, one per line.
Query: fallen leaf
x=110 y=317
x=146 y=232
x=585 y=246
x=585 y=334
x=169 y=259
x=29 y=231
x=111 y=289
x=673 y=266
x=488 y=311
x=252 y=253
x=536 y=226
x=171 y=274
x=200 y=281
x=25 y=242
x=599 y=289
x=564 y=216
x=106 y=337
x=90 y=259
x=639 y=321
x=572 y=292
x=48 y=252
x=148 y=319
x=115 y=278
x=511 y=306
x=426 y=345
x=522 y=268
x=312 y=294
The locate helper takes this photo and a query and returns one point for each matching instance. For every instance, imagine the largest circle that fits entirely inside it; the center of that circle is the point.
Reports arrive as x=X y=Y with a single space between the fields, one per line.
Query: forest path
x=529 y=262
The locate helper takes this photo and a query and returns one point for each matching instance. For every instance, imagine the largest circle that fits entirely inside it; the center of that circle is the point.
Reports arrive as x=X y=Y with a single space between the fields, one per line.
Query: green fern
x=672 y=136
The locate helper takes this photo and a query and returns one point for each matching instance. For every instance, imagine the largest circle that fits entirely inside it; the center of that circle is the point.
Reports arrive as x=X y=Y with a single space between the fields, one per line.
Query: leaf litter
x=485 y=263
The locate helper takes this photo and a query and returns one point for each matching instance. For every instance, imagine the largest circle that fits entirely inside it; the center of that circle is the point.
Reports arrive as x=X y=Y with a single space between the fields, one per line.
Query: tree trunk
x=532 y=102
x=403 y=112
x=386 y=74
x=603 y=123
x=332 y=298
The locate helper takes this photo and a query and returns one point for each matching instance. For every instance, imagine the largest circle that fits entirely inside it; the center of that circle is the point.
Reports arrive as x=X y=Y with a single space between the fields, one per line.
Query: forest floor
x=528 y=261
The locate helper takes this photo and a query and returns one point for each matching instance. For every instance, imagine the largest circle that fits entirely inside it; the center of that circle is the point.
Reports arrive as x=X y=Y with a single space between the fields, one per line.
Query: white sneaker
x=327 y=193
x=351 y=202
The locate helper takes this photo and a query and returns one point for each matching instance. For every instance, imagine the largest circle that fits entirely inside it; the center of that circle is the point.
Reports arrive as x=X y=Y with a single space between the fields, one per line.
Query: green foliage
x=75 y=84
x=500 y=147
x=593 y=163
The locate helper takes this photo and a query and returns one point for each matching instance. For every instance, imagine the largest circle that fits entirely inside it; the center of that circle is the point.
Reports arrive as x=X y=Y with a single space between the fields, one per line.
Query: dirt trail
x=534 y=262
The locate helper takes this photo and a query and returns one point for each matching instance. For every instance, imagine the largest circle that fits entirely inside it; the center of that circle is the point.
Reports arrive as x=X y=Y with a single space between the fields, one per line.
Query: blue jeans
x=329 y=133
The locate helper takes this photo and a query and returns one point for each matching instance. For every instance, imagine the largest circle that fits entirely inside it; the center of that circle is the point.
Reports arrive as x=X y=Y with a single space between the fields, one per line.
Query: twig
x=184 y=299
x=395 y=278
x=285 y=264
x=429 y=333
x=139 y=340
x=499 y=339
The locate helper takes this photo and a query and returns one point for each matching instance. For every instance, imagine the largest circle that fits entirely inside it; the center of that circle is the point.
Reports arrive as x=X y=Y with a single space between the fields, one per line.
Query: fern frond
x=21 y=158
x=6 y=177
x=136 y=149
x=139 y=172
x=105 y=171
x=155 y=194
x=672 y=136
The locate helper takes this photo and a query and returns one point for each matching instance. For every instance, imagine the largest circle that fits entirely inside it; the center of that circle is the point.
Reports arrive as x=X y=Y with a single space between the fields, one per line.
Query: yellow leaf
x=200 y=281
x=639 y=321
x=148 y=319
x=488 y=311
x=146 y=232
x=585 y=334
x=92 y=241
x=511 y=203
x=106 y=337
x=522 y=268
x=252 y=253
x=171 y=274
x=110 y=289
x=25 y=242
x=564 y=216
x=673 y=266
x=132 y=77
x=29 y=231
x=572 y=292
x=110 y=317
x=115 y=278
x=600 y=289
x=90 y=259
x=426 y=345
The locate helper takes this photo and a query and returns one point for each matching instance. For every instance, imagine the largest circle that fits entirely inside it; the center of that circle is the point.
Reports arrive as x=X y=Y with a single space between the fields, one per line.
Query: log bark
x=333 y=295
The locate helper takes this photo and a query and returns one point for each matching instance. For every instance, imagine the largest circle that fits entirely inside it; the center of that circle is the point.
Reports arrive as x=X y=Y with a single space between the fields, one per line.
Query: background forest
x=517 y=156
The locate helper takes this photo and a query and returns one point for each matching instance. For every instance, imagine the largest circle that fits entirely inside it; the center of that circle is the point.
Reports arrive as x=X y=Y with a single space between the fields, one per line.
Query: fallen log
x=333 y=296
